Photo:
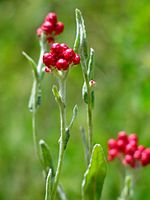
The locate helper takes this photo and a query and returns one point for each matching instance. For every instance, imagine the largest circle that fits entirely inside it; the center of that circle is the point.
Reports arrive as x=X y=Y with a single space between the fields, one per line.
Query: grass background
x=119 y=31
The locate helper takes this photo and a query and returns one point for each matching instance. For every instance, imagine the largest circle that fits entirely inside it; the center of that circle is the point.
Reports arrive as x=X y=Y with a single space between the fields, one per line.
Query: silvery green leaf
x=84 y=93
x=33 y=64
x=81 y=41
x=90 y=72
x=74 y=114
x=95 y=174
x=46 y=157
x=67 y=136
x=48 y=185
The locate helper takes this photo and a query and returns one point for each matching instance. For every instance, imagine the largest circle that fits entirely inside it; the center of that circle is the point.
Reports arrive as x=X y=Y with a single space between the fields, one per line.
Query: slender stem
x=34 y=117
x=62 y=92
x=127 y=191
x=34 y=94
x=90 y=123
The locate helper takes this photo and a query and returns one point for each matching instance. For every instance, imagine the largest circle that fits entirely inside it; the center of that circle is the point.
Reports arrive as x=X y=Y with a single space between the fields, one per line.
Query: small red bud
x=59 y=28
x=76 y=59
x=51 y=17
x=39 y=31
x=47 y=69
x=137 y=155
x=47 y=27
x=56 y=48
x=62 y=64
x=113 y=153
x=129 y=160
x=112 y=144
x=133 y=136
x=121 y=145
x=141 y=148
x=69 y=54
x=92 y=83
x=122 y=135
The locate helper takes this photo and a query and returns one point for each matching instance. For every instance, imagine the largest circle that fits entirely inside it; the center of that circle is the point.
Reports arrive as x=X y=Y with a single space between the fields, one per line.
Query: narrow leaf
x=77 y=39
x=127 y=191
x=74 y=114
x=67 y=137
x=46 y=157
x=48 y=185
x=32 y=62
x=85 y=144
x=90 y=72
x=84 y=93
x=95 y=174
x=61 y=193
x=83 y=41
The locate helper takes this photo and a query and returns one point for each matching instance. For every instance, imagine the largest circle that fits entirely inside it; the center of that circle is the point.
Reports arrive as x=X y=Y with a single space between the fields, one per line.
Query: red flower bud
x=76 y=59
x=122 y=135
x=62 y=64
x=137 y=155
x=129 y=160
x=59 y=28
x=121 y=145
x=47 y=69
x=39 y=31
x=69 y=54
x=133 y=136
x=51 y=17
x=49 y=59
x=112 y=144
x=47 y=27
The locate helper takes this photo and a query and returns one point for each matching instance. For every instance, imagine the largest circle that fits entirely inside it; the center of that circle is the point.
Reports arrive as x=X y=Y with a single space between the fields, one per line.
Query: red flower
x=60 y=57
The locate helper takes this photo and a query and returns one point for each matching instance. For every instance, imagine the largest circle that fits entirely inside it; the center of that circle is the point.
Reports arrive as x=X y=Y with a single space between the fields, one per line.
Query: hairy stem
x=127 y=191
x=35 y=92
x=62 y=108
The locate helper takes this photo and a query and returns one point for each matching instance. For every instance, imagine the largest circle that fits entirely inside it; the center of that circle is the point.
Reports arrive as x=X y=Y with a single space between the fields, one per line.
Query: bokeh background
x=119 y=31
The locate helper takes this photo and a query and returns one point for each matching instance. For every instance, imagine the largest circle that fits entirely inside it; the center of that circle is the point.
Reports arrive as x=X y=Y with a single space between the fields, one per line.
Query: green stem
x=35 y=92
x=127 y=191
x=62 y=92
x=34 y=89
x=90 y=123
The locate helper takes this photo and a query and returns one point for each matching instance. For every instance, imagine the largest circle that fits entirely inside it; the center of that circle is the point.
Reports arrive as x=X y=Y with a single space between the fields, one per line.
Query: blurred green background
x=119 y=31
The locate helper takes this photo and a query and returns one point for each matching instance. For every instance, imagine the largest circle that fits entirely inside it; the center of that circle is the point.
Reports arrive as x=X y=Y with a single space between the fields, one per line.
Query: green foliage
x=46 y=159
x=95 y=174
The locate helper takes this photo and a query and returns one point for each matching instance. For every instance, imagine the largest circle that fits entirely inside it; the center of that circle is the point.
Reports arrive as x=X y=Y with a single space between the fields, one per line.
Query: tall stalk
x=62 y=109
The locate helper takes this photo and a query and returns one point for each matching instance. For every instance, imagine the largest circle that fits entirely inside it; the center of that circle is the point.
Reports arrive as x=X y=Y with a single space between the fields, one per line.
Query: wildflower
x=126 y=148
x=50 y=27
x=60 y=57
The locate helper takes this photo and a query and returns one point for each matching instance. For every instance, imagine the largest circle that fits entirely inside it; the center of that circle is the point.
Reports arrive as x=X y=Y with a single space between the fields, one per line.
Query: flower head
x=60 y=57
x=50 y=27
x=126 y=148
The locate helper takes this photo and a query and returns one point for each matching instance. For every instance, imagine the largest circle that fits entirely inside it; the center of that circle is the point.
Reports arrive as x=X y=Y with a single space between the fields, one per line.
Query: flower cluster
x=51 y=27
x=60 y=57
x=126 y=148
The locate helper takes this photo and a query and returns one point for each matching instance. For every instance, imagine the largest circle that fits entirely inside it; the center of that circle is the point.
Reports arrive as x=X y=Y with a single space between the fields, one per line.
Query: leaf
x=33 y=64
x=85 y=143
x=67 y=136
x=46 y=157
x=84 y=93
x=90 y=71
x=127 y=191
x=77 y=39
x=74 y=114
x=48 y=185
x=61 y=193
x=95 y=174
x=82 y=40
